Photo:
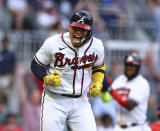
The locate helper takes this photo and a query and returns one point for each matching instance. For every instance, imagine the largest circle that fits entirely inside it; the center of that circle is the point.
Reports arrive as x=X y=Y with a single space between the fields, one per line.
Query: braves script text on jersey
x=61 y=56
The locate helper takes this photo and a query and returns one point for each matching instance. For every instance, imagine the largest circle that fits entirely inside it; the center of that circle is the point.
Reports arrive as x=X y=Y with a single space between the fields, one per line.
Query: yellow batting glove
x=53 y=79
x=95 y=89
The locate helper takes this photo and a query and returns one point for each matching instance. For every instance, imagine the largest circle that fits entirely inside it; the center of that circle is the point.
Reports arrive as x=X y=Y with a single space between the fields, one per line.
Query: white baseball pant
x=57 y=111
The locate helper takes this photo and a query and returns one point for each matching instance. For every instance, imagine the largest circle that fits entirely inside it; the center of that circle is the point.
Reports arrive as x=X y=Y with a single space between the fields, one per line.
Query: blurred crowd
x=20 y=91
x=20 y=94
x=111 y=17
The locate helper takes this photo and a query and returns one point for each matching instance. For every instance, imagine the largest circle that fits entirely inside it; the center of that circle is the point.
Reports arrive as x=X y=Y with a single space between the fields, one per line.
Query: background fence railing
x=115 y=50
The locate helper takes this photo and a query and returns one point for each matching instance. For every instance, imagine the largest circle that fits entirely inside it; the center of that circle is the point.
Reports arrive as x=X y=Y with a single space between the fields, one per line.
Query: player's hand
x=95 y=89
x=53 y=79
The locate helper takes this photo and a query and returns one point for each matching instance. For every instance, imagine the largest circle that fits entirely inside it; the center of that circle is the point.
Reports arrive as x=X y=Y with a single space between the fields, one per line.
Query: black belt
x=71 y=96
x=126 y=126
x=67 y=95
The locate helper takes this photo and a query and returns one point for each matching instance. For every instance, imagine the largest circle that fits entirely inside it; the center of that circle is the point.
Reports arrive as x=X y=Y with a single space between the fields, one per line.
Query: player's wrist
x=99 y=85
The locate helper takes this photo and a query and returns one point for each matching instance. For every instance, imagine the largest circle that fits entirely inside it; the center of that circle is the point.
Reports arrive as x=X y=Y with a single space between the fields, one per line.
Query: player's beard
x=131 y=76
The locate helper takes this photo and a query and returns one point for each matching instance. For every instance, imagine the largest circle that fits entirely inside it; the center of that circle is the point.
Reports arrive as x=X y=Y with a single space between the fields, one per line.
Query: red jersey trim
x=85 y=64
x=74 y=77
x=39 y=61
x=42 y=107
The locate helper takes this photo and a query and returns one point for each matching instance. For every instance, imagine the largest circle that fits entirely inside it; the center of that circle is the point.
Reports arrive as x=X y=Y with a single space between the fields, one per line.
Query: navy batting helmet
x=132 y=59
x=82 y=19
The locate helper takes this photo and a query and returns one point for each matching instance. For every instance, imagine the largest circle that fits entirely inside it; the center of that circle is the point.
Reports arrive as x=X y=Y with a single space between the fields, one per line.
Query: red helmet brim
x=87 y=27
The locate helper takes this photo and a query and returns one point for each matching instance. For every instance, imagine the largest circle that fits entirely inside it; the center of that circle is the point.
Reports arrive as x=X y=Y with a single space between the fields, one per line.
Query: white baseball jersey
x=138 y=90
x=73 y=64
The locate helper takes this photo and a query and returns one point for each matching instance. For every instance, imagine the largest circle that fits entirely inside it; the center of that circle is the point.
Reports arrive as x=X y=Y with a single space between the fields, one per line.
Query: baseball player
x=70 y=64
x=131 y=92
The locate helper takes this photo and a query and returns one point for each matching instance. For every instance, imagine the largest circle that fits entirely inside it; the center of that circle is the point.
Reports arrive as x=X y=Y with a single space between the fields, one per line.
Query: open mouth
x=77 y=38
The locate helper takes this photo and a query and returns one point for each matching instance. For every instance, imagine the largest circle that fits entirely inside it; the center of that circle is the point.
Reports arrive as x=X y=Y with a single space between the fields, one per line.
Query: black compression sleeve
x=38 y=70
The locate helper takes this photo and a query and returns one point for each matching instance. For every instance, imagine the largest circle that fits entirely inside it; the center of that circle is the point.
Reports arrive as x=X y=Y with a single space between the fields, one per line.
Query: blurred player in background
x=131 y=91
x=70 y=64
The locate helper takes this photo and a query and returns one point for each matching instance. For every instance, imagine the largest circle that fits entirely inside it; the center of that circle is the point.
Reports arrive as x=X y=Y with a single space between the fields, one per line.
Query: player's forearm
x=38 y=70
x=123 y=100
x=98 y=74
x=97 y=77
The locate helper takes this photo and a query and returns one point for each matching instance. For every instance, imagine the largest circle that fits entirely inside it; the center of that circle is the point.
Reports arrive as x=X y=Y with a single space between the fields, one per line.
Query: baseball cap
x=158 y=110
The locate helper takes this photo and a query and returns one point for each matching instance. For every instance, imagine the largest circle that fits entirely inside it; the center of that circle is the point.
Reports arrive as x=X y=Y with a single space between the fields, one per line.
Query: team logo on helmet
x=130 y=58
x=81 y=20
